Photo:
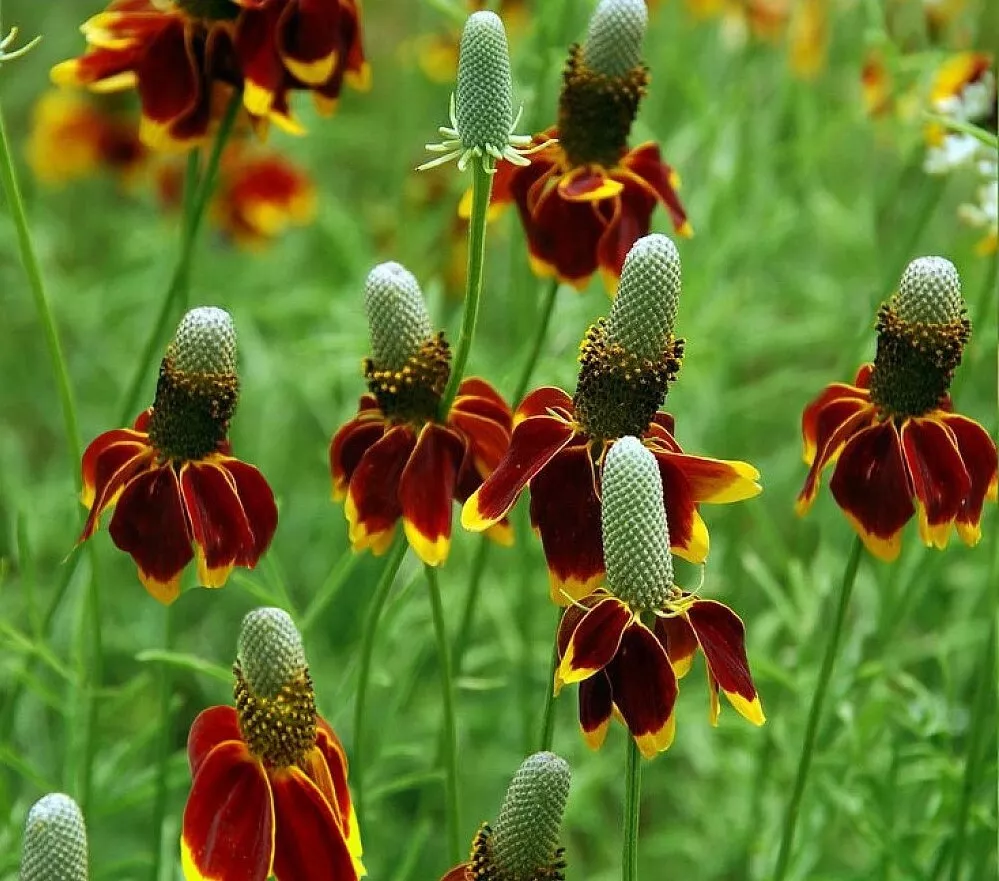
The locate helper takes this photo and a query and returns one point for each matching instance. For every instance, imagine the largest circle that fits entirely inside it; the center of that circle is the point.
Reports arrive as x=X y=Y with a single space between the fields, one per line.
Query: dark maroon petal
x=978 y=452
x=595 y=709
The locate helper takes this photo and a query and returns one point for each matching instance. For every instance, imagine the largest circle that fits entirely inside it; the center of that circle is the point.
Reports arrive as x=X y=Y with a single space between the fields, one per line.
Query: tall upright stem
x=527 y=371
x=632 y=807
x=165 y=681
x=815 y=711
x=450 y=725
x=482 y=185
x=548 y=716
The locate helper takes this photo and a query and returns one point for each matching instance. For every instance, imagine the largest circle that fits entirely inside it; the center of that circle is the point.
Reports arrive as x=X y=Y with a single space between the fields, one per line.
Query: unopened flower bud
x=635 y=533
x=483 y=99
x=55 y=841
x=270 y=651
x=397 y=315
x=205 y=342
x=643 y=315
x=525 y=839
x=930 y=292
x=613 y=44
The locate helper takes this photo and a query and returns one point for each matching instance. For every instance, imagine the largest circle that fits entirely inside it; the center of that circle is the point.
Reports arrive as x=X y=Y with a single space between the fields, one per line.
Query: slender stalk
x=392 y=564
x=815 y=711
x=632 y=807
x=482 y=185
x=463 y=635
x=163 y=743
x=95 y=676
x=548 y=716
x=180 y=281
x=547 y=308
x=450 y=722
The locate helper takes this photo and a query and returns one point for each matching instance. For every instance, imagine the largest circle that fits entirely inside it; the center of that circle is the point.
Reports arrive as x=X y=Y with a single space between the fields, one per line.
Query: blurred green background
x=805 y=213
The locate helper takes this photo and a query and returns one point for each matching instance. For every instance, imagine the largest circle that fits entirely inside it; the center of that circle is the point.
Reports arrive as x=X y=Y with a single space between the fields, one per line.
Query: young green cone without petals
x=55 y=841
x=397 y=315
x=270 y=651
x=205 y=342
x=614 y=37
x=930 y=292
x=635 y=532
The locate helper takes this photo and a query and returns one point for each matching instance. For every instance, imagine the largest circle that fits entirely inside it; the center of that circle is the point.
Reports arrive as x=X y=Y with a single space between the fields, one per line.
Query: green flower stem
x=547 y=308
x=450 y=725
x=815 y=711
x=165 y=683
x=195 y=204
x=965 y=128
x=461 y=638
x=482 y=185
x=632 y=807
x=392 y=564
x=548 y=716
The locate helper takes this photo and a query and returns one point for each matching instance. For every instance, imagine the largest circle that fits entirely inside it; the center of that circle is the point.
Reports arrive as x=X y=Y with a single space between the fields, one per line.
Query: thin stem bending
x=632 y=808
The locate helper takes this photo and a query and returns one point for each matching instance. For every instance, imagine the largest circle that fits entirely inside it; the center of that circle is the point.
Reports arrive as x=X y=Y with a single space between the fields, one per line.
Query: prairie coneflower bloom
x=399 y=457
x=177 y=492
x=559 y=442
x=55 y=841
x=586 y=199
x=270 y=793
x=896 y=447
x=628 y=642
x=73 y=137
x=524 y=843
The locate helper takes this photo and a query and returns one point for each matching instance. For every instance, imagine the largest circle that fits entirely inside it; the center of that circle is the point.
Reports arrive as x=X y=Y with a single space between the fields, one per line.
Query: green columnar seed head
x=205 y=342
x=930 y=292
x=635 y=532
x=483 y=97
x=526 y=834
x=55 y=841
x=613 y=44
x=397 y=316
x=643 y=315
x=269 y=651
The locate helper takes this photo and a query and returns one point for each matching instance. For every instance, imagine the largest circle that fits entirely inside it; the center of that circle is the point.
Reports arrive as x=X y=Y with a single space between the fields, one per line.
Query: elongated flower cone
x=397 y=315
x=483 y=98
x=930 y=292
x=55 y=841
x=270 y=651
x=614 y=37
x=205 y=342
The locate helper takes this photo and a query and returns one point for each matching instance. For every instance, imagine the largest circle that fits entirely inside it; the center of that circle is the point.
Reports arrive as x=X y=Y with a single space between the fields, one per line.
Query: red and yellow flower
x=177 y=492
x=628 y=669
x=896 y=446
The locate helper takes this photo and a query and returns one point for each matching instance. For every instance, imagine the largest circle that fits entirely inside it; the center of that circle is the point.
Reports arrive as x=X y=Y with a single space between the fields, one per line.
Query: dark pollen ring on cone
x=280 y=730
x=412 y=393
x=482 y=868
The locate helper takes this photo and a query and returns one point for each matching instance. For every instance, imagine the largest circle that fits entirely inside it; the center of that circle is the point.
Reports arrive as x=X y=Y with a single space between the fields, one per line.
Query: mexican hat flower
x=178 y=54
x=399 y=458
x=559 y=442
x=892 y=438
x=55 y=841
x=524 y=843
x=629 y=641
x=73 y=137
x=586 y=199
x=269 y=793
x=178 y=493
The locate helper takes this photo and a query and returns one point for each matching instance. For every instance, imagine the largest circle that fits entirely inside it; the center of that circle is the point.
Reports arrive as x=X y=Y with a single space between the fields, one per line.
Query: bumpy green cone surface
x=397 y=316
x=205 y=342
x=55 y=841
x=636 y=536
x=483 y=99
x=526 y=833
x=930 y=292
x=614 y=40
x=270 y=651
x=642 y=317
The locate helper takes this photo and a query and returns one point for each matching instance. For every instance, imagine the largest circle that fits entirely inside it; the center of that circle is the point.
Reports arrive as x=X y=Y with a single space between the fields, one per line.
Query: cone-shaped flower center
x=275 y=701
x=198 y=388
x=635 y=533
x=628 y=360
x=409 y=364
x=213 y=10
x=603 y=83
x=483 y=98
x=922 y=331
x=55 y=841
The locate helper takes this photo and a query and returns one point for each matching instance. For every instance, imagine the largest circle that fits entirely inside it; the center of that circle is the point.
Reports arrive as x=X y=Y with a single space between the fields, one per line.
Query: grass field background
x=805 y=213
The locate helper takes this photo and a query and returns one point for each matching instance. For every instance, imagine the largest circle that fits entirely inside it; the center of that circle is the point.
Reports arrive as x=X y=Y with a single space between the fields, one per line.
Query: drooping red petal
x=308 y=842
x=533 y=445
x=228 y=829
x=426 y=492
x=596 y=706
x=336 y=760
x=150 y=524
x=817 y=425
x=349 y=445
x=565 y=509
x=476 y=387
x=168 y=81
x=309 y=38
x=565 y=236
x=872 y=488
x=644 y=689
x=679 y=640
x=108 y=465
x=544 y=401
x=572 y=615
x=594 y=641
x=940 y=482
x=722 y=637
x=372 y=505
x=645 y=162
x=631 y=219
x=978 y=452
x=212 y=726
x=485 y=422
x=258 y=504
x=588 y=184
x=259 y=60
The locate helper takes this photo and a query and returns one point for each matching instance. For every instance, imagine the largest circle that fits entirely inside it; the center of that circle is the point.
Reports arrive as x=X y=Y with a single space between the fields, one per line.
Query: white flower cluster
x=972 y=104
